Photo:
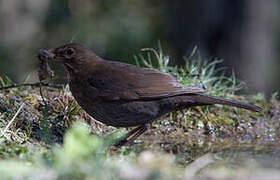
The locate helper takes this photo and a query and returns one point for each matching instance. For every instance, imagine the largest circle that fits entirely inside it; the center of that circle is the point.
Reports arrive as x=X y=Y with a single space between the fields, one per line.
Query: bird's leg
x=138 y=133
x=124 y=139
x=132 y=135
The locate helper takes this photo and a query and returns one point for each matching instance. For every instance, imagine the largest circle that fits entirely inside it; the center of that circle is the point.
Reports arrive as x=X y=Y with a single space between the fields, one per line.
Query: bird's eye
x=69 y=51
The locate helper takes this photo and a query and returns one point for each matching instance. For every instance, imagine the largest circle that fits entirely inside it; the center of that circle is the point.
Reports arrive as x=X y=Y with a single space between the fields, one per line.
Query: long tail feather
x=207 y=99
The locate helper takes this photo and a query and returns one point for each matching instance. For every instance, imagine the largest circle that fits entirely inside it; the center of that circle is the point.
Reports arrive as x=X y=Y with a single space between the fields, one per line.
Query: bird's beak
x=47 y=53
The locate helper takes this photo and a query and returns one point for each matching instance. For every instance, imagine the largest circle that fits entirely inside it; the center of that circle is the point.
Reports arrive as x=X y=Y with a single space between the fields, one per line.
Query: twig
x=202 y=113
x=37 y=84
x=154 y=51
x=41 y=94
x=10 y=123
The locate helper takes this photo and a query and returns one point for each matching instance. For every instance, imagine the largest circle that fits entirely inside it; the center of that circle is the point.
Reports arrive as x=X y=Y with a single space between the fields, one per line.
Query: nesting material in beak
x=46 y=53
x=45 y=71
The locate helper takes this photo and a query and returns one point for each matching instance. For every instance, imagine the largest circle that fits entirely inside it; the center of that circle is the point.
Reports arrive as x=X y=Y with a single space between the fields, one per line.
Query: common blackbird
x=124 y=95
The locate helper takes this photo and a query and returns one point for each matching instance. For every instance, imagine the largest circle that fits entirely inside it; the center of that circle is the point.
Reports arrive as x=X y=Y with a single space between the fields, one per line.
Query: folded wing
x=129 y=82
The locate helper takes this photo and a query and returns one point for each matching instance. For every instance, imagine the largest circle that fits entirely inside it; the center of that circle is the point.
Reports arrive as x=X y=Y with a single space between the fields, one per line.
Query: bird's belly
x=123 y=114
x=117 y=113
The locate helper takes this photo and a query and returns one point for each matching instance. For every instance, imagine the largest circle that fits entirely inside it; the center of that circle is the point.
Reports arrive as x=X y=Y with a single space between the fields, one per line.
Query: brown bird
x=124 y=95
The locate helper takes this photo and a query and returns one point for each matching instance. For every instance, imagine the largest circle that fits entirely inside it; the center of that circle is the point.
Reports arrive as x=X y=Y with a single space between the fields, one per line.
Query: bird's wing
x=129 y=82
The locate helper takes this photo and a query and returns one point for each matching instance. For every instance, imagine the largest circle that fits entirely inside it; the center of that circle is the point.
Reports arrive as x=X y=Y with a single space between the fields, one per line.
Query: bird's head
x=74 y=56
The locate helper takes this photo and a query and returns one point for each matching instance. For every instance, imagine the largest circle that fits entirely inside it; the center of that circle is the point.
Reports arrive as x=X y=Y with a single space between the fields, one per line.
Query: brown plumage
x=124 y=95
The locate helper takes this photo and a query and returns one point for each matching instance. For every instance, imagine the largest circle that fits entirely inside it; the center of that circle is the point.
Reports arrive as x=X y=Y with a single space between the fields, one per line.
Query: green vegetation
x=196 y=72
x=53 y=138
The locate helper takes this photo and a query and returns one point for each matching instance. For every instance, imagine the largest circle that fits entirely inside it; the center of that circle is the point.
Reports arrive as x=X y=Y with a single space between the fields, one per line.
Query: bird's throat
x=70 y=68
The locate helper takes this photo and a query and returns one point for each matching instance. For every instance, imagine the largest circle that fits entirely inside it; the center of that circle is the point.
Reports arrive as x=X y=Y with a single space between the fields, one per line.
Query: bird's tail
x=207 y=99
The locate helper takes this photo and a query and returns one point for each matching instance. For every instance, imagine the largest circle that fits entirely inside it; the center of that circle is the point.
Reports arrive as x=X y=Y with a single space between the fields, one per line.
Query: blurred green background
x=243 y=33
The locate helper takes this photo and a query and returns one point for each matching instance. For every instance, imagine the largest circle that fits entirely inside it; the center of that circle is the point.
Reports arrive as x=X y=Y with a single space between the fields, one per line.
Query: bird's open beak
x=47 y=53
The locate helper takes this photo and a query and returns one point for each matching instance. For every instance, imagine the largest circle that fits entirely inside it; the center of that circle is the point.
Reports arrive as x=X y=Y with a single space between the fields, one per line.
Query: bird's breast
x=83 y=93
